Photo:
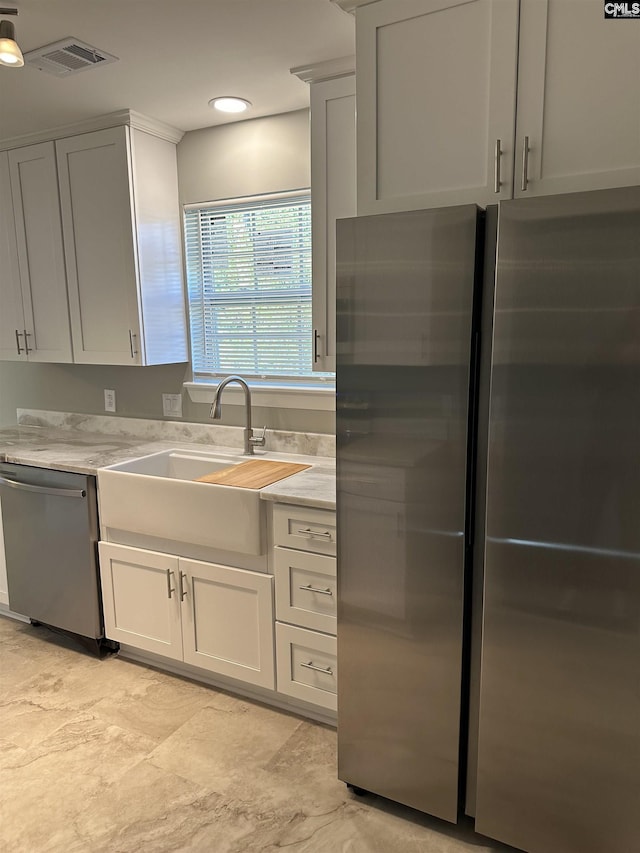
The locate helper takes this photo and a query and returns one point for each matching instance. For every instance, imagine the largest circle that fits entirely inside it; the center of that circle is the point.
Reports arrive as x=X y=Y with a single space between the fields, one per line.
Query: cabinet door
x=96 y=203
x=158 y=235
x=11 y=316
x=578 y=103
x=333 y=178
x=227 y=621
x=436 y=84
x=36 y=210
x=141 y=599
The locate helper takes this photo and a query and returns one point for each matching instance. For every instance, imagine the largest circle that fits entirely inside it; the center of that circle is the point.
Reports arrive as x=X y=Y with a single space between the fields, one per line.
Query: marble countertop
x=84 y=452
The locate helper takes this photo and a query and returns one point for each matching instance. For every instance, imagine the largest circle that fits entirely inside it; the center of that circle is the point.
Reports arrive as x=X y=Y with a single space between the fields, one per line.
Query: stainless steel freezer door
x=559 y=744
x=405 y=299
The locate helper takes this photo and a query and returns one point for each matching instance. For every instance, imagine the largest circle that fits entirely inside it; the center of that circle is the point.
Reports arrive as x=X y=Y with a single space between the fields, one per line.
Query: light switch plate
x=109 y=400
x=172 y=405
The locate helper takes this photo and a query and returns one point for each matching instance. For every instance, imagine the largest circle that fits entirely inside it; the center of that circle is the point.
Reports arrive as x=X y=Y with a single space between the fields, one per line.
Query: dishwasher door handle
x=43 y=490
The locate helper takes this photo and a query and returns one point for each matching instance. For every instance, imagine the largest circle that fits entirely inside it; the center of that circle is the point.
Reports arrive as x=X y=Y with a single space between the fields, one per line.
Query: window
x=249 y=285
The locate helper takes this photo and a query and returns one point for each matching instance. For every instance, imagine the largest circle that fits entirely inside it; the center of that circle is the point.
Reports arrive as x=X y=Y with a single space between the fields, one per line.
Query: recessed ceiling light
x=230 y=105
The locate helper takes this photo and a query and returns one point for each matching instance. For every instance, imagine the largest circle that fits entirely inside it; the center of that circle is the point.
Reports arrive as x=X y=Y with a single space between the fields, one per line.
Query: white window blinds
x=249 y=285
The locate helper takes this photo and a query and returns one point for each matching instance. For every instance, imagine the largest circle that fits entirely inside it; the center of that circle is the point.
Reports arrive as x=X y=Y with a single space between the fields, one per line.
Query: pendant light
x=10 y=53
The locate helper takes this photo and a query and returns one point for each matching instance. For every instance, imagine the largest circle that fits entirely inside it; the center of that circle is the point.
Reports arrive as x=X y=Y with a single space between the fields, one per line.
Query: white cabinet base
x=220 y=682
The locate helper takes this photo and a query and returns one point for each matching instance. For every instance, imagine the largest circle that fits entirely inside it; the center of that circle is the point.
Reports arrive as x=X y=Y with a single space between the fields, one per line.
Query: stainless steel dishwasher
x=50 y=522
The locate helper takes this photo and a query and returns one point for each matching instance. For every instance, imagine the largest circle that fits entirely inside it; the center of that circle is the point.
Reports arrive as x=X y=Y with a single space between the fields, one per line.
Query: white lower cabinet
x=304 y=563
x=307 y=665
x=214 y=617
x=221 y=619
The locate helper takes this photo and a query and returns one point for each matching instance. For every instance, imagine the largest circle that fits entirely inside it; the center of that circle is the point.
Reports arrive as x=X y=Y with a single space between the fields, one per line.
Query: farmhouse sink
x=156 y=495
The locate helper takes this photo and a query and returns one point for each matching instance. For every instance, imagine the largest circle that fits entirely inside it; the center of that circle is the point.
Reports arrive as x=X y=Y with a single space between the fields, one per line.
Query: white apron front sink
x=157 y=495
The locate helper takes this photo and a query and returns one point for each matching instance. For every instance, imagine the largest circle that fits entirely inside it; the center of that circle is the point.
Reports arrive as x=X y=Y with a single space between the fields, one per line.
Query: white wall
x=263 y=155
x=245 y=158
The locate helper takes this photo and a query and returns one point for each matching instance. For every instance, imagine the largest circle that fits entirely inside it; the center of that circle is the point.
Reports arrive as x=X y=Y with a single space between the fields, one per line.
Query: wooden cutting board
x=254 y=474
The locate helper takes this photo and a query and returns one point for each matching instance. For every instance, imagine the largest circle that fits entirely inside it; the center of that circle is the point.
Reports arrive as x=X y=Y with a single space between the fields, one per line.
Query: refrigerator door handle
x=497 y=156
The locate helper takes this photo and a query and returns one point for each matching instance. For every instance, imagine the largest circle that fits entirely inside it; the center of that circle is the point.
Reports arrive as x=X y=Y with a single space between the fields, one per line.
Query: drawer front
x=305 y=589
x=307 y=665
x=305 y=528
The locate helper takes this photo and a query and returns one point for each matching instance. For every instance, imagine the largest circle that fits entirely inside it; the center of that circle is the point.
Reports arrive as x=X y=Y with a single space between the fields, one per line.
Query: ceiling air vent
x=67 y=57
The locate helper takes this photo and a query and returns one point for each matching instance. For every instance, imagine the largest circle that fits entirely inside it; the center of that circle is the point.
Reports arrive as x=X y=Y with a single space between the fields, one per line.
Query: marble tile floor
x=110 y=757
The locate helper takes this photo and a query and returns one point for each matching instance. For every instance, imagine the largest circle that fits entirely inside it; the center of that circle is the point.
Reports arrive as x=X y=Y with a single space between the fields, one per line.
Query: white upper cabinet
x=91 y=245
x=436 y=89
x=11 y=313
x=437 y=101
x=333 y=182
x=578 y=99
x=122 y=241
x=34 y=286
x=333 y=188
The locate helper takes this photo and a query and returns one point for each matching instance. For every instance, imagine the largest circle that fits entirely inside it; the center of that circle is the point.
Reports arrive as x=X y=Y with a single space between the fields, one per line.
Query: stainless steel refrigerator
x=542 y=633
x=559 y=732
x=407 y=294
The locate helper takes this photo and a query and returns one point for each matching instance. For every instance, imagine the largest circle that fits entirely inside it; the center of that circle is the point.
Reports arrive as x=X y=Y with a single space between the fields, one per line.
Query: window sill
x=268 y=395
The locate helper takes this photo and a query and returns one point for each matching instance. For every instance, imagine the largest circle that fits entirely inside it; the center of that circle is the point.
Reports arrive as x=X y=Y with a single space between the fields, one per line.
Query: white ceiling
x=174 y=57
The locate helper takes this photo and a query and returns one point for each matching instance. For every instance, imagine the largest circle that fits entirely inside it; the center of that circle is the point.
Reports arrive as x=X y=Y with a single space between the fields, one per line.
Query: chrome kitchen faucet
x=250 y=440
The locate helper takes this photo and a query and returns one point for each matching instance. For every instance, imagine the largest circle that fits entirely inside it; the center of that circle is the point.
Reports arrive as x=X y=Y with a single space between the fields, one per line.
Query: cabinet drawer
x=307 y=665
x=305 y=528
x=305 y=589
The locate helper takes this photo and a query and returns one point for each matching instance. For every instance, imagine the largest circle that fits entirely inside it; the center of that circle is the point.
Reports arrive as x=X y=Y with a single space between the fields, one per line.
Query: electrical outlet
x=172 y=405
x=109 y=400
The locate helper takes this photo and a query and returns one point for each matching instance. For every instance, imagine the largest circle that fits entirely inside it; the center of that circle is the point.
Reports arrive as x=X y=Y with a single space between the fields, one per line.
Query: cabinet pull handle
x=20 y=349
x=307 y=531
x=525 y=164
x=497 y=156
x=311 y=665
x=183 y=586
x=27 y=348
x=316 y=336
x=134 y=352
x=170 y=589
x=310 y=588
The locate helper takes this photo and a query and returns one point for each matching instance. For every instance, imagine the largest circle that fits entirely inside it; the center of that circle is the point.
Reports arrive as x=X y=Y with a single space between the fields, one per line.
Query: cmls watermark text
x=622 y=10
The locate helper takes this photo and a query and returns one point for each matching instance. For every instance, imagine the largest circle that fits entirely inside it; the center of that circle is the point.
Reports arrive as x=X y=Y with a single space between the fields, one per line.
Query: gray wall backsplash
x=79 y=388
x=262 y=155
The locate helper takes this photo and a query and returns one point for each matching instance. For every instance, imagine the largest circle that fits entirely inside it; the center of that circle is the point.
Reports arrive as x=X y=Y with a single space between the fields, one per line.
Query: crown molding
x=351 y=5
x=331 y=69
x=116 y=119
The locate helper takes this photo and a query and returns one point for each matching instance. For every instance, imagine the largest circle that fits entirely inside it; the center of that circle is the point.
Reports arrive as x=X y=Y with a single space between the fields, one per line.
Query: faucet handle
x=259 y=440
